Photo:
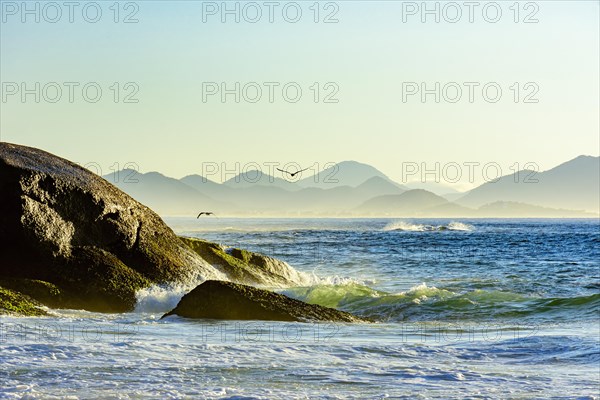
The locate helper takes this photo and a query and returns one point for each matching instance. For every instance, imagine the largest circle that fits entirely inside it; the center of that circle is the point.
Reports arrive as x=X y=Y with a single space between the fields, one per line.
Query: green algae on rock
x=247 y=267
x=44 y=292
x=14 y=303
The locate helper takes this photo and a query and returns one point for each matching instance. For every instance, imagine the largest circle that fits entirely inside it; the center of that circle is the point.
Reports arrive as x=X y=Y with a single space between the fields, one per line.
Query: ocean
x=474 y=309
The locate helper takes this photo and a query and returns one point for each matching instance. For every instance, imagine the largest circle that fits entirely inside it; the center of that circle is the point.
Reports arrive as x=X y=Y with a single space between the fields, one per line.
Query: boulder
x=65 y=226
x=70 y=239
x=247 y=267
x=226 y=300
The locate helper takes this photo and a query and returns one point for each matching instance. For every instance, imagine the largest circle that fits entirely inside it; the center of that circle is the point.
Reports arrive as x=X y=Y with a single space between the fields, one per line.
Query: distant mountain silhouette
x=167 y=196
x=264 y=199
x=265 y=196
x=421 y=203
x=255 y=177
x=377 y=186
x=345 y=173
x=503 y=209
x=207 y=187
x=572 y=185
x=559 y=191
x=407 y=203
x=440 y=189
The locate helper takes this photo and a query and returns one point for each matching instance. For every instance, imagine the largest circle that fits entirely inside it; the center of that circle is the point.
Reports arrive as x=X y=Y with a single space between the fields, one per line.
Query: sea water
x=463 y=309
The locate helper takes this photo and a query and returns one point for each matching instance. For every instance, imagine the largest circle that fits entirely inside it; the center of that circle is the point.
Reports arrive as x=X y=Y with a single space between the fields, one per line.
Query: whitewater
x=462 y=309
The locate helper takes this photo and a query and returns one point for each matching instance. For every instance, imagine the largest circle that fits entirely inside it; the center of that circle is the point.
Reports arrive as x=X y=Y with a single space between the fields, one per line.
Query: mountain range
x=351 y=188
x=573 y=184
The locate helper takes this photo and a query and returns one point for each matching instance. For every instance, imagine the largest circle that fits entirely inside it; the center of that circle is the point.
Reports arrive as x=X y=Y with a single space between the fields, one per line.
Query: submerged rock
x=246 y=267
x=231 y=301
x=64 y=225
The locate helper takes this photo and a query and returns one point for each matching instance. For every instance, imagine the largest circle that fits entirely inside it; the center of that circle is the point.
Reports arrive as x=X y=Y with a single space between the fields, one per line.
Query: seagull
x=205 y=213
x=292 y=174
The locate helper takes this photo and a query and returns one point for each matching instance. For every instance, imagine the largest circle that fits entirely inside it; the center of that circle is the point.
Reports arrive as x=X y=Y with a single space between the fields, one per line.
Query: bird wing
x=279 y=169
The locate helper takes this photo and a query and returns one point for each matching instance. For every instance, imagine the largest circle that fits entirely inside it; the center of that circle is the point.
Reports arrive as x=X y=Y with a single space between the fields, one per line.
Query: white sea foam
x=337 y=280
x=164 y=297
x=460 y=226
x=161 y=298
x=411 y=227
x=405 y=226
x=455 y=333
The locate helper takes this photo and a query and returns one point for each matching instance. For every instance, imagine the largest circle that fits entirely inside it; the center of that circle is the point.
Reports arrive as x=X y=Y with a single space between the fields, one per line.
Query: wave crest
x=422 y=302
x=160 y=298
x=411 y=227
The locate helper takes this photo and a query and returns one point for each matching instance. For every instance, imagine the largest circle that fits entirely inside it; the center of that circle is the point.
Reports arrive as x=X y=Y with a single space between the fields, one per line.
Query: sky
x=362 y=68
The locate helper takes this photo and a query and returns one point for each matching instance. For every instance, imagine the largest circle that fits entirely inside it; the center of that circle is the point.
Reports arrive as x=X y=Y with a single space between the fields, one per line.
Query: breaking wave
x=422 y=302
x=411 y=227
x=160 y=298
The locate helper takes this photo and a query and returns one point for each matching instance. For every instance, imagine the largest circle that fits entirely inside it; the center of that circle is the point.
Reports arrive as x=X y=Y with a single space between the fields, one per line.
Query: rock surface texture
x=232 y=301
x=247 y=267
x=64 y=225
x=70 y=239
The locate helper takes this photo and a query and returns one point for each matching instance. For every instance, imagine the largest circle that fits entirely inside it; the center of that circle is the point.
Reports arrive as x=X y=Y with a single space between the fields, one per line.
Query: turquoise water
x=464 y=309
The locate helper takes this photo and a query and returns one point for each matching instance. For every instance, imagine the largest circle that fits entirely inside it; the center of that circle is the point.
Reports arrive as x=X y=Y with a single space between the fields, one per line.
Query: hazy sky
x=370 y=58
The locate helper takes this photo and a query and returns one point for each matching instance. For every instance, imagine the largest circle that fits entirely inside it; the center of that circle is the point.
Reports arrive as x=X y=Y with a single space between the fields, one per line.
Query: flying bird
x=205 y=213
x=292 y=174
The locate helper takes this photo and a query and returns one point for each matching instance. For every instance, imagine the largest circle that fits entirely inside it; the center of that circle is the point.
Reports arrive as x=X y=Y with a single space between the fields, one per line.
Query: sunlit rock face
x=61 y=223
x=247 y=267
x=61 y=226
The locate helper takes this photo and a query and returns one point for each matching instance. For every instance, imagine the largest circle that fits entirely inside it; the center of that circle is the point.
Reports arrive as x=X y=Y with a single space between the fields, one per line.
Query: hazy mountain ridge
x=345 y=173
x=428 y=205
x=256 y=193
x=574 y=185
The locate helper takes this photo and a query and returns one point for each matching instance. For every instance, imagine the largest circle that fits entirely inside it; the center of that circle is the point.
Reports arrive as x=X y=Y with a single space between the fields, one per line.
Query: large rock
x=64 y=225
x=248 y=267
x=231 y=301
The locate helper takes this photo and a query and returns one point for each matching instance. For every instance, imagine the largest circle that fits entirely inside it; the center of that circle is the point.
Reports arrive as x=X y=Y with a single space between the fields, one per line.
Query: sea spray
x=412 y=227
x=460 y=226
x=405 y=226
x=160 y=298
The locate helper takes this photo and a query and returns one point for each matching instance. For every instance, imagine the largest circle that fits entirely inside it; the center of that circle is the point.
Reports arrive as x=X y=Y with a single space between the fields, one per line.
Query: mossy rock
x=235 y=268
x=245 y=266
x=62 y=224
x=242 y=255
x=45 y=292
x=94 y=280
x=99 y=281
x=14 y=303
